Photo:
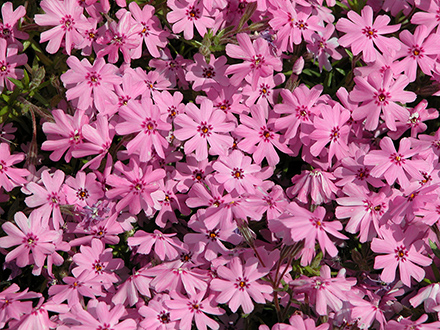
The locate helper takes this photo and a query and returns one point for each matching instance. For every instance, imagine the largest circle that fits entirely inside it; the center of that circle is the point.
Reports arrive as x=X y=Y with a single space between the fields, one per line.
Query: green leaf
x=16 y=82
x=434 y=248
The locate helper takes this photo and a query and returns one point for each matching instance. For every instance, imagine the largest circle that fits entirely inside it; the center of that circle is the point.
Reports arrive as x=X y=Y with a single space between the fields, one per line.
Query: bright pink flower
x=191 y=172
x=236 y=172
x=8 y=27
x=403 y=249
x=198 y=127
x=381 y=94
x=156 y=315
x=309 y=226
x=152 y=33
x=172 y=103
x=83 y=190
x=64 y=134
x=420 y=50
x=32 y=235
x=323 y=46
x=166 y=246
x=10 y=305
x=144 y=119
x=258 y=60
x=172 y=69
x=204 y=75
x=331 y=127
x=197 y=306
x=128 y=291
x=393 y=165
x=325 y=291
x=67 y=17
x=406 y=323
x=102 y=317
x=98 y=263
x=266 y=93
x=134 y=183
x=362 y=34
x=237 y=285
x=364 y=209
x=11 y=177
x=121 y=36
x=187 y=14
x=91 y=84
x=9 y=60
x=50 y=197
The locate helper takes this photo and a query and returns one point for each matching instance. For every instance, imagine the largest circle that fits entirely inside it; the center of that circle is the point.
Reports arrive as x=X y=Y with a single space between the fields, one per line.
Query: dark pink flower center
x=4 y=68
x=198 y=175
x=266 y=133
x=208 y=72
x=382 y=97
x=363 y=173
x=241 y=283
x=75 y=137
x=369 y=32
x=30 y=241
x=98 y=267
x=192 y=13
x=416 y=51
x=257 y=61
x=82 y=194
x=93 y=79
x=3 y=166
x=204 y=129
x=213 y=235
x=264 y=90
x=397 y=159
x=401 y=253
x=67 y=23
x=164 y=317
x=303 y=113
x=301 y=25
x=316 y=222
x=237 y=173
x=145 y=29
x=335 y=134
x=106 y=326
x=149 y=126
x=6 y=31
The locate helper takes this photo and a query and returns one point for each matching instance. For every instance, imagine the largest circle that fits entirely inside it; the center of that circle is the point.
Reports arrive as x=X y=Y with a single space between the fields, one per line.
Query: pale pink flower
x=10 y=176
x=8 y=27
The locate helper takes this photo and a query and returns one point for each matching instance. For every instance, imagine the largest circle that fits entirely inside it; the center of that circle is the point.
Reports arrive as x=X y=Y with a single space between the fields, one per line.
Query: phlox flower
x=365 y=210
x=128 y=291
x=98 y=263
x=400 y=249
x=429 y=296
x=395 y=165
x=90 y=84
x=171 y=102
x=380 y=94
x=311 y=227
x=152 y=33
x=50 y=197
x=420 y=50
x=191 y=172
x=101 y=316
x=362 y=34
x=134 y=183
x=237 y=284
x=8 y=25
x=32 y=236
x=144 y=119
x=331 y=127
x=323 y=46
x=368 y=311
x=11 y=306
x=325 y=291
x=197 y=306
x=297 y=323
x=184 y=15
x=83 y=190
x=156 y=314
x=236 y=172
x=67 y=17
x=407 y=323
x=260 y=137
x=258 y=60
x=11 y=177
x=266 y=93
x=75 y=289
x=166 y=246
x=198 y=127
x=9 y=60
x=204 y=75
x=172 y=69
x=99 y=136
x=65 y=134
x=121 y=36
x=316 y=185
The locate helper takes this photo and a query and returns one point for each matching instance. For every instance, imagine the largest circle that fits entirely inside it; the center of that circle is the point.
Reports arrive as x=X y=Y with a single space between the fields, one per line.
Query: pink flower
x=197 y=307
x=380 y=94
x=236 y=172
x=9 y=60
x=67 y=17
x=204 y=75
x=260 y=137
x=144 y=119
x=64 y=134
x=198 y=127
x=393 y=165
x=50 y=197
x=403 y=249
x=11 y=177
x=32 y=235
x=134 y=183
x=310 y=226
x=83 y=190
x=258 y=60
x=362 y=34
x=8 y=27
x=237 y=285
x=90 y=84
x=187 y=14
x=324 y=46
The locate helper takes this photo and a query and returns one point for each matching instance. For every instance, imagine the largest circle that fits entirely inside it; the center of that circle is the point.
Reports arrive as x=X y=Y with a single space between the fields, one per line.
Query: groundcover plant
x=220 y=164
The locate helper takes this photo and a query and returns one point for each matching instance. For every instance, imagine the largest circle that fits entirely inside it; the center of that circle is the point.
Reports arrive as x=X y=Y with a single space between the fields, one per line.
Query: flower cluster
x=214 y=164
